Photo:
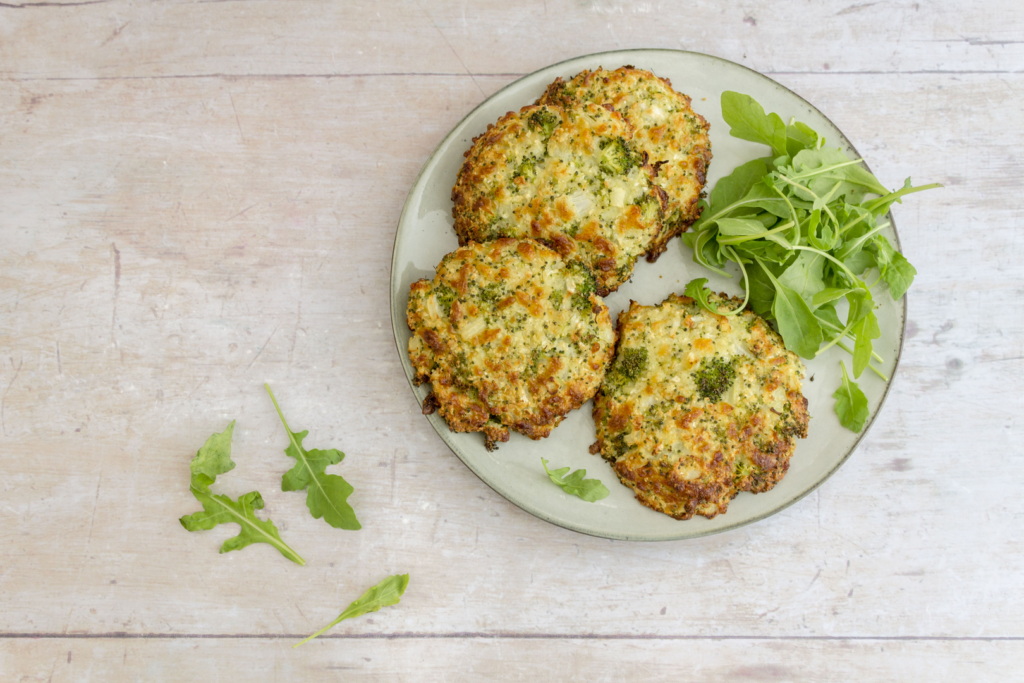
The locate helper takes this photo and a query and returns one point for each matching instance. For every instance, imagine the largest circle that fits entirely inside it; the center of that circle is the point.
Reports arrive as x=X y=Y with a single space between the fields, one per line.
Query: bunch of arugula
x=801 y=227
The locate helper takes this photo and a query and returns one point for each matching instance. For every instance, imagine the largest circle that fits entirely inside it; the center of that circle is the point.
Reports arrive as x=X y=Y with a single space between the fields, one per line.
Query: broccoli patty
x=509 y=335
x=571 y=178
x=698 y=407
x=665 y=128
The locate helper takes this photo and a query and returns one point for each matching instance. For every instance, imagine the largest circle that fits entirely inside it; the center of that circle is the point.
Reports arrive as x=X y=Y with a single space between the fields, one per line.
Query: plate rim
x=533 y=510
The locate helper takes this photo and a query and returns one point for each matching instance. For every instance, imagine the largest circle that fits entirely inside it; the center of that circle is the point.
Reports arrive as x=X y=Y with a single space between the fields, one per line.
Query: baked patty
x=571 y=178
x=666 y=128
x=509 y=335
x=697 y=407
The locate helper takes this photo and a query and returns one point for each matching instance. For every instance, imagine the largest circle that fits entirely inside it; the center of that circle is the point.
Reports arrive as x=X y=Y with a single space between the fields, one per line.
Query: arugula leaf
x=804 y=275
x=762 y=291
x=829 y=294
x=800 y=330
x=214 y=459
x=590 y=490
x=800 y=136
x=326 y=494
x=695 y=290
x=737 y=184
x=899 y=275
x=748 y=121
x=384 y=594
x=851 y=403
x=866 y=330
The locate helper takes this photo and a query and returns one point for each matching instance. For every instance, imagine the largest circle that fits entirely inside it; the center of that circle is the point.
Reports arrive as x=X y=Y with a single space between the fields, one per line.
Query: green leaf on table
x=212 y=460
x=219 y=509
x=748 y=121
x=386 y=593
x=590 y=490
x=326 y=494
x=851 y=403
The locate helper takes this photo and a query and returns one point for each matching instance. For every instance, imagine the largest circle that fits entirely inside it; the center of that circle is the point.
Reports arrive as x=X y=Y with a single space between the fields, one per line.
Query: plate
x=425 y=235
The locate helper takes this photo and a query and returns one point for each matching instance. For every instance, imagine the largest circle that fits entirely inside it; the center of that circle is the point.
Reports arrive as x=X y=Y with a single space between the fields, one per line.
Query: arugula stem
x=852 y=246
x=739 y=239
x=870 y=206
x=856 y=280
x=746 y=283
x=831 y=326
x=808 y=191
x=842 y=333
x=792 y=212
x=825 y=169
x=325 y=628
x=871 y=367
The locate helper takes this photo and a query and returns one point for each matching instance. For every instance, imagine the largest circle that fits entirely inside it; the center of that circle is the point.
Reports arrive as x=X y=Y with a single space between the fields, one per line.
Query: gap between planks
x=489 y=636
x=439 y=74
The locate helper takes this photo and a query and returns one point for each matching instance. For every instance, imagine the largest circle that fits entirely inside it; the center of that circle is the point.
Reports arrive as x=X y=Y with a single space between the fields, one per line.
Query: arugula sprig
x=326 y=494
x=803 y=231
x=384 y=594
x=590 y=490
x=212 y=460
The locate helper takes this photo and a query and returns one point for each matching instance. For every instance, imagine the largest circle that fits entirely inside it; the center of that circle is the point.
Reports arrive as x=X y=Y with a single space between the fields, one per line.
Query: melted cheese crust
x=509 y=337
x=683 y=453
x=521 y=180
x=665 y=127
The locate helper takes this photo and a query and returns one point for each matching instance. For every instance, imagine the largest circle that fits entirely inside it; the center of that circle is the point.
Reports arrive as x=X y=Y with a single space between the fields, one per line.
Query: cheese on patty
x=510 y=336
x=698 y=406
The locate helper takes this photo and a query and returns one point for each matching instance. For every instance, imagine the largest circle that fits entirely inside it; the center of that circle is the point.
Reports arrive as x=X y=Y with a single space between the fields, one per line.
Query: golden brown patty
x=665 y=127
x=510 y=336
x=571 y=178
x=698 y=406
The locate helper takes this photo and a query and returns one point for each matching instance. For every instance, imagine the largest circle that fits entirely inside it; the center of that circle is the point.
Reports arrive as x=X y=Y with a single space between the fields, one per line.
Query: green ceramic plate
x=425 y=235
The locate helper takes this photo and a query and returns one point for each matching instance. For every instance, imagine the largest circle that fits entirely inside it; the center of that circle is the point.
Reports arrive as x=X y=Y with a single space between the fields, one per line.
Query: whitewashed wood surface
x=196 y=198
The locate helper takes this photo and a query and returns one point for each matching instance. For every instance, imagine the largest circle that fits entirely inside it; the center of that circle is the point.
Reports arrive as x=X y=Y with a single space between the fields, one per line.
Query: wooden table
x=200 y=197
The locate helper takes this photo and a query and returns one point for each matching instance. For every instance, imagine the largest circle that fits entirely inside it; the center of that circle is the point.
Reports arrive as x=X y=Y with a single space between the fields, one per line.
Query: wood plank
x=168 y=245
x=119 y=38
x=505 y=659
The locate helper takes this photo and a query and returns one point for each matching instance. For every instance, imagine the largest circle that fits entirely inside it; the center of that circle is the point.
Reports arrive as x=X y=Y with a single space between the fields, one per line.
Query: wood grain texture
x=507 y=659
x=170 y=243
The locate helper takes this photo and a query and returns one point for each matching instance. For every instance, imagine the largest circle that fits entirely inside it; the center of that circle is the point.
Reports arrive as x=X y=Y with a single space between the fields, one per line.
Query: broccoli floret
x=445 y=296
x=650 y=207
x=714 y=377
x=556 y=298
x=527 y=169
x=544 y=121
x=491 y=292
x=585 y=285
x=630 y=364
x=616 y=157
x=498 y=228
